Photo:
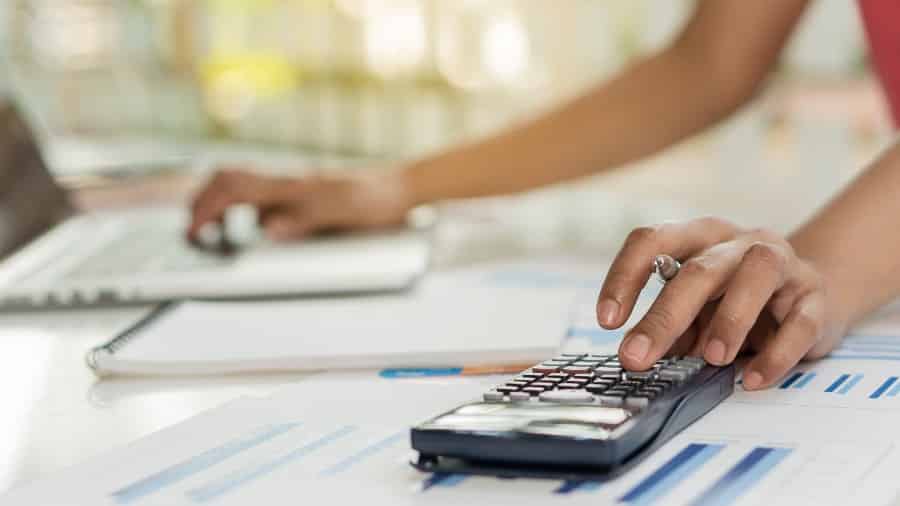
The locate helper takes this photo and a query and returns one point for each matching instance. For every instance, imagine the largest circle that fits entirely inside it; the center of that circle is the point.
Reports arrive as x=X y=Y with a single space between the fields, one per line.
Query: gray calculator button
x=690 y=365
x=573 y=369
x=642 y=375
x=637 y=402
x=697 y=360
x=608 y=370
x=493 y=396
x=610 y=400
x=567 y=396
x=674 y=374
x=519 y=396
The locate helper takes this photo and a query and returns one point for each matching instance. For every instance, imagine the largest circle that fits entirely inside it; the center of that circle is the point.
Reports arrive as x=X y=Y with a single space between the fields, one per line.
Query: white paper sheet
x=509 y=313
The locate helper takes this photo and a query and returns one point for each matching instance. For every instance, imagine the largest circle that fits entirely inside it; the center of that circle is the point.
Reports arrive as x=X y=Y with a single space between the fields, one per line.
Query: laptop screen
x=31 y=202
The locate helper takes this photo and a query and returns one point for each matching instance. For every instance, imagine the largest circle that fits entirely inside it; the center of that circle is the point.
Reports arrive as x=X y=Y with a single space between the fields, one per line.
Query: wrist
x=411 y=181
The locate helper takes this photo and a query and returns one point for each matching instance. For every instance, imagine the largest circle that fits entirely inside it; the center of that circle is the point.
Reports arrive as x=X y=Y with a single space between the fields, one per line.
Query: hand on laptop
x=292 y=208
x=737 y=290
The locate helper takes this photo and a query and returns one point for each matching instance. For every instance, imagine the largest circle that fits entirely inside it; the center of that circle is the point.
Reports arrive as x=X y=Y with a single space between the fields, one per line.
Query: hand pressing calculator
x=577 y=416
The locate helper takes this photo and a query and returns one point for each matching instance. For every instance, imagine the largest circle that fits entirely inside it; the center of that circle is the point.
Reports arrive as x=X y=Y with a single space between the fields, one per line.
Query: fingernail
x=752 y=380
x=607 y=311
x=637 y=347
x=715 y=352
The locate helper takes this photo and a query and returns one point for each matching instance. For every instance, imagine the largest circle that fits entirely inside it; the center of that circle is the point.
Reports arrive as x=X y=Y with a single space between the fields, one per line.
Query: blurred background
x=132 y=86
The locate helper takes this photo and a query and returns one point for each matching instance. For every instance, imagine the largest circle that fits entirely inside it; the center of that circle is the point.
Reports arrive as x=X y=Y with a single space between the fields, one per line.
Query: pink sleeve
x=882 y=21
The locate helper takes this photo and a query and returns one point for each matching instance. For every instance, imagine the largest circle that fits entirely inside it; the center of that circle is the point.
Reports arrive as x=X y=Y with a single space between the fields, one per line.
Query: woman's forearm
x=715 y=65
x=855 y=241
x=654 y=104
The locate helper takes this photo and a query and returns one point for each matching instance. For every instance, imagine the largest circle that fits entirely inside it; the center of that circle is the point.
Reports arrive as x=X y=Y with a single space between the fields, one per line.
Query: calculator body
x=571 y=430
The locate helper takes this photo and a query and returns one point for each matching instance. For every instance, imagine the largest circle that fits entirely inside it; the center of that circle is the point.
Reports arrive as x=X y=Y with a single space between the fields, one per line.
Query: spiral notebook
x=461 y=318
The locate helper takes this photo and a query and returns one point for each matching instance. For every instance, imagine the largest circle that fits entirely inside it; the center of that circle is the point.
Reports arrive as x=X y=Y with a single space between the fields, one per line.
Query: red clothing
x=882 y=20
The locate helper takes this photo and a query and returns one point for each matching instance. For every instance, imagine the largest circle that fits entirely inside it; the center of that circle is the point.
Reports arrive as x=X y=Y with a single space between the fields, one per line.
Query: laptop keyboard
x=145 y=250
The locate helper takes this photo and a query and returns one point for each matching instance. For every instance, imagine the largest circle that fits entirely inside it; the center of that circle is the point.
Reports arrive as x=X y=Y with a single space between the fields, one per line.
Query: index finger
x=633 y=265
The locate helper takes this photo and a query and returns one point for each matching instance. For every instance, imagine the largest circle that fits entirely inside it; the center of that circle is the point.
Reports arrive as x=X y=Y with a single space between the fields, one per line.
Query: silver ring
x=666 y=267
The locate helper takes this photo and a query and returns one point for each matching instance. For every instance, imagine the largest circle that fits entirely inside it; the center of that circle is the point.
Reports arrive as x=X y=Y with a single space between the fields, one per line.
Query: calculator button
x=649 y=390
x=689 y=365
x=674 y=374
x=605 y=369
x=631 y=384
x=610 y=377
x=576 y=369
x=493 y=396
x=601 y=356
x=567 y=396
x=582 y=363
x=642 y=375
x=572 y=356
x=553 y=380
x=558 y=375
x=507 y=389
x=568 y=386
x=586 y=375
x=533 y=390
x=605 y=382
x=530 y=376
x=636 y=402
x=596 y=389
x=516 y=383
x=542 y=368
x=696 y=360
x=617 y=391
x=661 y=386
x=611 y=400
x=543 y=384
x=520 y=396
x=593 y=361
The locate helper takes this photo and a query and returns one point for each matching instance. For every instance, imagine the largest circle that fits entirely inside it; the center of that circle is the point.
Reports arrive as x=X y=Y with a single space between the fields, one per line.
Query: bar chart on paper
x=863 y=372
x=302 y=443
x=360 y=463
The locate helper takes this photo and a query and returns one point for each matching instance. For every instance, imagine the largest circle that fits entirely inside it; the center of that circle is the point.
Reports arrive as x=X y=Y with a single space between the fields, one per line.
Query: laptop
x=52 y=255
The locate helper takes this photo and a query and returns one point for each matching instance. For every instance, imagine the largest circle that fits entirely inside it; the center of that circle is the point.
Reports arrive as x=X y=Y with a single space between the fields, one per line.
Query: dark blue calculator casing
x=573 y=456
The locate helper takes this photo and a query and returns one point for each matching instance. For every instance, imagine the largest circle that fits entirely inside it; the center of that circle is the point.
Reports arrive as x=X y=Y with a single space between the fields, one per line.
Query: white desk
x=55 y=413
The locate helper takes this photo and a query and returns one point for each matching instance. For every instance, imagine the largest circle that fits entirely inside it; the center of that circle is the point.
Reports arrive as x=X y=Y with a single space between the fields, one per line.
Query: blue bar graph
x=791 y=379
x=573 y=486
x=669 y=475
x=241 y=477
x=850 y=384
x=837 y=383
x=839 y=355
x=742 y=477
x=186 y=469
x=363 y=454
x=443 y=480
x=804 y=380
x=894 y=391
x=888 y=383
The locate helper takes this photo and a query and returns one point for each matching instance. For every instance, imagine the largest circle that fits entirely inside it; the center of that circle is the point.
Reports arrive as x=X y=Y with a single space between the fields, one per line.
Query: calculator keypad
x=574 y=378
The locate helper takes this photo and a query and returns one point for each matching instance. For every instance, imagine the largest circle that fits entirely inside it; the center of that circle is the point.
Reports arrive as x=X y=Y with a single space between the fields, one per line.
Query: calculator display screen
x=572 y=421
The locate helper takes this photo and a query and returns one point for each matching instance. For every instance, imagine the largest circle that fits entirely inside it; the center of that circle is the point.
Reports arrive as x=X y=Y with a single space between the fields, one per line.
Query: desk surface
x=56 y=413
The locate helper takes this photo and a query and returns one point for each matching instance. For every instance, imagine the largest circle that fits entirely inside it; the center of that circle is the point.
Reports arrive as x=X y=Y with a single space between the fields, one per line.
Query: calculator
x=576 y=416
